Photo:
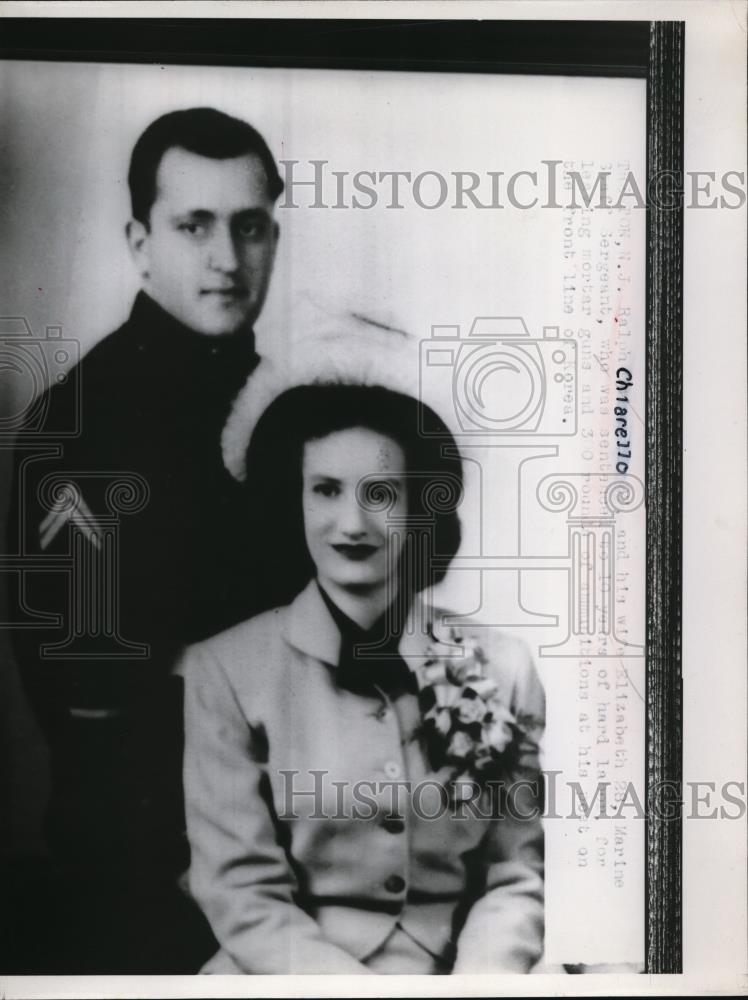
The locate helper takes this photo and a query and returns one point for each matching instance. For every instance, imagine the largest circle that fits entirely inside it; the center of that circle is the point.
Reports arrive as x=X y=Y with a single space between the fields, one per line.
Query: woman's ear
x=138 y=240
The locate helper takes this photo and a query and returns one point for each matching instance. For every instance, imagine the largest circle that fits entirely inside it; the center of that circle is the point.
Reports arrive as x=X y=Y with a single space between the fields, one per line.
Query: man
x=154 y=546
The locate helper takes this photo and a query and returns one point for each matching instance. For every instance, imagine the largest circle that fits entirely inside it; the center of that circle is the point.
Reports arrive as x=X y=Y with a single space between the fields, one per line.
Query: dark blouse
x=369 y=658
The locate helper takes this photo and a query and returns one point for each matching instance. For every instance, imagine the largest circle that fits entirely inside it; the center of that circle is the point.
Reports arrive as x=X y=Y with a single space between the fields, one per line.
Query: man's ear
x=138 y=241
x=276 y=236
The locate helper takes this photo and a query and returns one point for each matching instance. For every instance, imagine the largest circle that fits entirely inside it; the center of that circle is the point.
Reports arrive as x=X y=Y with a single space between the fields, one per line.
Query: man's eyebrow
x=200 y=214
x=252 y=213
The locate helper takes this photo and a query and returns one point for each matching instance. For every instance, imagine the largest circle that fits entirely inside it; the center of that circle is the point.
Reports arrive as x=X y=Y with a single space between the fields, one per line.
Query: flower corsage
x=465 y=723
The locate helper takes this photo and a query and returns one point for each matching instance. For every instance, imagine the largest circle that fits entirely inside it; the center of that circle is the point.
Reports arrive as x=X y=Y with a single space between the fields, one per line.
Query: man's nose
x=222 y=253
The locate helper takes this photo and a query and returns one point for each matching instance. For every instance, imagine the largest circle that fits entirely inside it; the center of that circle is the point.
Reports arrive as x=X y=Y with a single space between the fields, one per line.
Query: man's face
x=207 y=255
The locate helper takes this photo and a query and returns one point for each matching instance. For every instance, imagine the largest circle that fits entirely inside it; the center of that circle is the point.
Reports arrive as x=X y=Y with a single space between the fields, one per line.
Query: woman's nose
x=353 y=519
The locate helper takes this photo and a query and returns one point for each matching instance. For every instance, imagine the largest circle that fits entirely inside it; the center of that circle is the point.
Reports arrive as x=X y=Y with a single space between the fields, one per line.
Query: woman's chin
x=359 y=582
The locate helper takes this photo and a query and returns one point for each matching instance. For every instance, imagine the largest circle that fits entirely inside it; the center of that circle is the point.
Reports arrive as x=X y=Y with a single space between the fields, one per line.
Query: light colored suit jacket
x=278 y=759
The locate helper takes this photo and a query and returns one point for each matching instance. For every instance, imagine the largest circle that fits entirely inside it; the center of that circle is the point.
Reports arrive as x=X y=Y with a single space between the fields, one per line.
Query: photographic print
x=341 y=430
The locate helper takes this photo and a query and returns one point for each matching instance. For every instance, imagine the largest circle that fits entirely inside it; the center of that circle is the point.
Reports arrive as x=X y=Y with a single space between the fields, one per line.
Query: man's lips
x=229 y=292
x=356 y=553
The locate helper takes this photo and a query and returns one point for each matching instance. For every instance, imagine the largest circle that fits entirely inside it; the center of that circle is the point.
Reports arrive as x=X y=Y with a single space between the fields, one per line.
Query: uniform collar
x=156 y=330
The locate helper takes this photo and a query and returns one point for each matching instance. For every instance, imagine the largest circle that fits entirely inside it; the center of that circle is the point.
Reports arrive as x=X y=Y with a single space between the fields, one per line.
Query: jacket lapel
x=310 y=627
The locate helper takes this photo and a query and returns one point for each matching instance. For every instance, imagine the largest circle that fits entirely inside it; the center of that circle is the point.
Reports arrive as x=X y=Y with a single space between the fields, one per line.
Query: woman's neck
x=362 y=607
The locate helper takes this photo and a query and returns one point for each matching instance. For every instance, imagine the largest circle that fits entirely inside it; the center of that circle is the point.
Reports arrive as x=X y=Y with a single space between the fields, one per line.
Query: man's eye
x=326 y=489
x=192 y=228
x=252 y=230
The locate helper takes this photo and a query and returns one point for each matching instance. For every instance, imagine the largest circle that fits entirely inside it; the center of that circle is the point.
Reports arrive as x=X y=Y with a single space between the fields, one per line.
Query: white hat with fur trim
x=325 y=348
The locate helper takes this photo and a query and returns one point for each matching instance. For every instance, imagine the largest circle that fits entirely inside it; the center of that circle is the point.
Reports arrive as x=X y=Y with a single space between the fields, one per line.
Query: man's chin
x=222 y=324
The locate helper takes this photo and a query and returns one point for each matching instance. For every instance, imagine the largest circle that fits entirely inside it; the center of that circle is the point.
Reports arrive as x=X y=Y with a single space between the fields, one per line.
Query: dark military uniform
x=137 y=537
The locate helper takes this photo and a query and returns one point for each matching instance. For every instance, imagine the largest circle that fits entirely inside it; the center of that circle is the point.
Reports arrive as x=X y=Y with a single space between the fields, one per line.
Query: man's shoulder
x=106 y=371
x=98 y=373
x=112 y=346
x=119 y=392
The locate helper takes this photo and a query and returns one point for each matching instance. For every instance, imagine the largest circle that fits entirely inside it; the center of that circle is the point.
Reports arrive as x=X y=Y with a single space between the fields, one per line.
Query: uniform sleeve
x=240 y=874
x=504 y=928
x=37 y=594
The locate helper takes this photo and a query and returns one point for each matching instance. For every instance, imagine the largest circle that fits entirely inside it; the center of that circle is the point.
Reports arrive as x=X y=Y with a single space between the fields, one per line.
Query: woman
x=323 y=736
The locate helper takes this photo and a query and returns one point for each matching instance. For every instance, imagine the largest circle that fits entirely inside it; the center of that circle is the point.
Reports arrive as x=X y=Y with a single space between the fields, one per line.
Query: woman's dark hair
x=204 y=131
x=281 y=564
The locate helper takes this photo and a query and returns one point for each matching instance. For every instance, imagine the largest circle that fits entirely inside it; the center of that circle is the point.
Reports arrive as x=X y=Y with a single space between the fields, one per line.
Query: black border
x=664 y=477
x=651 y=50
x=592 y=48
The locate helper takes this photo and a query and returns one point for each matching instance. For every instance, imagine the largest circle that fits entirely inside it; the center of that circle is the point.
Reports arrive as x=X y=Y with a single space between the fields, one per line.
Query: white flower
x=442 y=719
x=474 y=650
x=446 y=695
x=460 y=745
x=499 y=732
x=485 y=688
x=470 y=710
x=463 y=671
x=434 y=673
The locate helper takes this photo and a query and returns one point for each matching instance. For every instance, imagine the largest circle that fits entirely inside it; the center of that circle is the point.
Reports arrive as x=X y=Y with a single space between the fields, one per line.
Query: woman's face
x=349 y=544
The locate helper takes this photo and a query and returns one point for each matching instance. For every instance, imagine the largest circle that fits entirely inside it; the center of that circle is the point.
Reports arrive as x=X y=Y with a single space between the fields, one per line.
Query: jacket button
x=392 y=769
x=395 y=883
x=393 y=824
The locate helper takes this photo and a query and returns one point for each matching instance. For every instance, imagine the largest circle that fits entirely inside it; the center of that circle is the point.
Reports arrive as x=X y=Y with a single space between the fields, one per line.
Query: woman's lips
x=356 y=553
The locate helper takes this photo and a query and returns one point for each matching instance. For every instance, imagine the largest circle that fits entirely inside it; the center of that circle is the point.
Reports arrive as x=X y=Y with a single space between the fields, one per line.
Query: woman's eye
x=326 y=489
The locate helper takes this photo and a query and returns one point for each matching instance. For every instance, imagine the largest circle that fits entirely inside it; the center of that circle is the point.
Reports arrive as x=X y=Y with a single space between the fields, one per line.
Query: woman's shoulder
x=255 y=643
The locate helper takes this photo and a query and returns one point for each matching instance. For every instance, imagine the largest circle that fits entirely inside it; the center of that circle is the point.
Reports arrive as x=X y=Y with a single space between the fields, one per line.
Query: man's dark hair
x=204 y=131
x=280 y=561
